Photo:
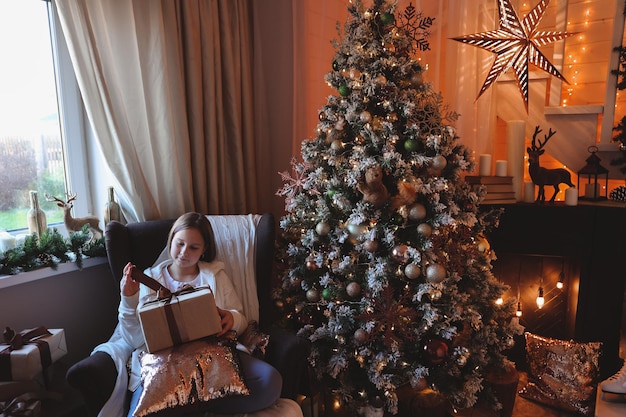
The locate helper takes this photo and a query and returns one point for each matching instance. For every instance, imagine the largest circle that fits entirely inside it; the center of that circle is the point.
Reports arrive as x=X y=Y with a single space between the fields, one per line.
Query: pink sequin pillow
x=189 y=377
x=562 y=374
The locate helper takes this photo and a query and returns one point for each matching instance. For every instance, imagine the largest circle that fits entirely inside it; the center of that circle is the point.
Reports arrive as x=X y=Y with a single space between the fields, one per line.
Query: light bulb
x=518 y=313
x=540 y=300
x=559 y=283
x=499 y=301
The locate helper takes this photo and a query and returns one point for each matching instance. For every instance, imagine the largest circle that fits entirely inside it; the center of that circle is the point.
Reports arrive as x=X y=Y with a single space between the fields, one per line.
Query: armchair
x=141 y=243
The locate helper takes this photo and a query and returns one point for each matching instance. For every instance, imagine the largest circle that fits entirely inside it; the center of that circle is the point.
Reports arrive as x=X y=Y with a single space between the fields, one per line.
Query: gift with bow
x=173 y=318
x=25 y=354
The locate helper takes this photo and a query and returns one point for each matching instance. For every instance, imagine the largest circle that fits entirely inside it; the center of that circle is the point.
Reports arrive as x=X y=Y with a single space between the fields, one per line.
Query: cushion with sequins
x=562 y=374
x=189 y=377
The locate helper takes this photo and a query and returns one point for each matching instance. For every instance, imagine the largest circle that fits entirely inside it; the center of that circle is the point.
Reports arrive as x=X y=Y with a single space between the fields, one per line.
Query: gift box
x=11 y=389
x=179 y=318
x=24 y=361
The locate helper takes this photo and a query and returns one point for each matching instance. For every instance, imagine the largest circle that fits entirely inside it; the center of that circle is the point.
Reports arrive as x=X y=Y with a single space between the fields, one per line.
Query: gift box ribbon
x=169 y=312
x=16 y=341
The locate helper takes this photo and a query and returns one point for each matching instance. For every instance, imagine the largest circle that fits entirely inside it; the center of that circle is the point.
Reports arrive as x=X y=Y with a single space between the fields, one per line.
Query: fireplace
x=585 y=247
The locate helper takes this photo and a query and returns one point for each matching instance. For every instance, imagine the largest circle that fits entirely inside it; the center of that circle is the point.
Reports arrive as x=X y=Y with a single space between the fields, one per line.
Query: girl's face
x=187 y=247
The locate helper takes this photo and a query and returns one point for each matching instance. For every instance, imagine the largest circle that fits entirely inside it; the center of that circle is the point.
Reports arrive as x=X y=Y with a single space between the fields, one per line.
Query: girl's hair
x=200 y=223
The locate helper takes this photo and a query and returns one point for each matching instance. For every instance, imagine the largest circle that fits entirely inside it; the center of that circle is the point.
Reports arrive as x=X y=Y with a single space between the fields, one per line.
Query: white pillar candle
x=529 y=192
x=592 y=190
x=7 y=241
x=515 y=150
x=484 y=165
x=571 y=196
x=501 y=167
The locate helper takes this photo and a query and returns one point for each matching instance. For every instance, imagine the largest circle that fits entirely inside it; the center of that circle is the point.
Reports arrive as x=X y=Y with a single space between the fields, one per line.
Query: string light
x=540 y=299
x=560 y=282
x=518 y=313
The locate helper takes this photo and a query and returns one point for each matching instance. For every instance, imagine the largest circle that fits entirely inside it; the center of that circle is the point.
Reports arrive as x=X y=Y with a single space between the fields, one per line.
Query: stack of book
x=499 y=189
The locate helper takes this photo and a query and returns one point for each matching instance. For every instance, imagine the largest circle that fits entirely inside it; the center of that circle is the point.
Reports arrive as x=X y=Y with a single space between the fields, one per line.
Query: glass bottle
x=36 y=217
x=112 y=208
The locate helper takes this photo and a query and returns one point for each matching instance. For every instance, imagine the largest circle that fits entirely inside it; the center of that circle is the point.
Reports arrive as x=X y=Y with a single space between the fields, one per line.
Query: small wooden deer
x=75 y=224
x=544 y=176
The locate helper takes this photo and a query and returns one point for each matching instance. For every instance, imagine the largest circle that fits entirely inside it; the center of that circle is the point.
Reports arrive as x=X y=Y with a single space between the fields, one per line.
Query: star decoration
x=516 y=44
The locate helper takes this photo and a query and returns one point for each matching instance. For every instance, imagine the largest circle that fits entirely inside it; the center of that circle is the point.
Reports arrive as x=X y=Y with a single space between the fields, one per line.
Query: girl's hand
x=128 y=286
x=227 y=321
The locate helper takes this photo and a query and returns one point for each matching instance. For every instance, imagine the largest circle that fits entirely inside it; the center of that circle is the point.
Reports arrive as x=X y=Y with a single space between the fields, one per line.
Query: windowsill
x=43 y=273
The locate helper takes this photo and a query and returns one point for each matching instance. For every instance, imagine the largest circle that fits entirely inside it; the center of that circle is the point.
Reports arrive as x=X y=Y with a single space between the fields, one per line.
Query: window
x=39 y=138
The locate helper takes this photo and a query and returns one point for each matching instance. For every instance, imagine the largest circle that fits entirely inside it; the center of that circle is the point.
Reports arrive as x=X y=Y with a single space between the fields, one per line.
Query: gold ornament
x=417 y=212
x=322 y=228
x=400 y=253
x=435 y=273
x=516 y=44
x=412 y=271
x=313 y=295
x=311 y=265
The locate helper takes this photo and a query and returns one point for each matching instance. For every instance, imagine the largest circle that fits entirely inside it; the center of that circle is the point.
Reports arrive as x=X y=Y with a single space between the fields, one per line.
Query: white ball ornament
x=336 y=145
x=412 y=271
x=439 y=163
x=360 y=336
x=435 y=273
x=353 y=289
x=417 y=212
x=365 y=116
x=313 y=295
x=424 y=229
x=322 y=228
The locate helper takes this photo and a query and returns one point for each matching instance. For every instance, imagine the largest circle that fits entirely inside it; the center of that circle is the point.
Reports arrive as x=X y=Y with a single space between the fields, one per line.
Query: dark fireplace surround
x=585 y=246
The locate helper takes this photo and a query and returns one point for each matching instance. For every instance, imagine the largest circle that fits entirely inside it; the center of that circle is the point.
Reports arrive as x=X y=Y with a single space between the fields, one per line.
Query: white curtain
x=167 y=89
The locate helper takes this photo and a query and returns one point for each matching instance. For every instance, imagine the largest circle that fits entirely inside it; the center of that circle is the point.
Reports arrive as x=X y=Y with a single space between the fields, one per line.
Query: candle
x=592 y=190
x=529 y=192
x=485 y=165
x=501 y=167
x=571 y=196
x=7 y=241
x=515 y=150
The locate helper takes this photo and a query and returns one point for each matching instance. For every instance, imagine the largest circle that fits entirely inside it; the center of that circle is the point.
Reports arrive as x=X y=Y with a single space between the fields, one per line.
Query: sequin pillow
x=562 y=374
x=253 y=340
x=189 y=377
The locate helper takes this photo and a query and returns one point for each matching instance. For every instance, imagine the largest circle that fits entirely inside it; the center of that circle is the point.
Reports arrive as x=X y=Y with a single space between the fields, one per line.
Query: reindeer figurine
x=544 y=176
x=75 y=224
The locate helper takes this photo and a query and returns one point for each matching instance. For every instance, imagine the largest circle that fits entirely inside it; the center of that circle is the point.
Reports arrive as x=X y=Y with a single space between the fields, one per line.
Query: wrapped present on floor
x=27 y=353
x=174 y=318
x=11 y=389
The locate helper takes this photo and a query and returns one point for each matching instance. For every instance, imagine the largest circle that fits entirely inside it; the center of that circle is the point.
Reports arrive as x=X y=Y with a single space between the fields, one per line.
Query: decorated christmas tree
x=387 y=270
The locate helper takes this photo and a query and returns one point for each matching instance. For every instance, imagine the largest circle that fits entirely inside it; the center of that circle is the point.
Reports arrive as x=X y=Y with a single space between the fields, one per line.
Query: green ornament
x=411 y=145
x=327 y=293
x=330 y=193
x=344 y=90
x=387 y=18
x=335 y=66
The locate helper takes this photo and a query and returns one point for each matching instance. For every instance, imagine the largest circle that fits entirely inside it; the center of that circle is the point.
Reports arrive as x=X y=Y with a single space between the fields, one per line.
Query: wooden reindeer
x=544 y=176
x=75 y=224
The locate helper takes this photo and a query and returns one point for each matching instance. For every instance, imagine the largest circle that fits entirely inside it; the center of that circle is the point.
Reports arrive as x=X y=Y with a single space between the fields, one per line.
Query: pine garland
x=51 y=250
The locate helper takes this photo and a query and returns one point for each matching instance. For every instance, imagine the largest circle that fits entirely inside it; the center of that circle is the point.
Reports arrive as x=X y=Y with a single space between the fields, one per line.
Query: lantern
x=592 y=171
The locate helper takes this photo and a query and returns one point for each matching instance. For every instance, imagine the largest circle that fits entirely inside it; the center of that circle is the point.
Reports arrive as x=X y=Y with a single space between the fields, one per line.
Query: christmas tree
x=387 y=270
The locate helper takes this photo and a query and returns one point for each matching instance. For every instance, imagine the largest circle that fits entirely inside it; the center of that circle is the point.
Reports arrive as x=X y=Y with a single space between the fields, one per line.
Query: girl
x=191 y=248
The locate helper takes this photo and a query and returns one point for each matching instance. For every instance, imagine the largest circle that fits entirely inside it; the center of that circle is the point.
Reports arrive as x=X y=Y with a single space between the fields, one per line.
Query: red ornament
x=436 y=351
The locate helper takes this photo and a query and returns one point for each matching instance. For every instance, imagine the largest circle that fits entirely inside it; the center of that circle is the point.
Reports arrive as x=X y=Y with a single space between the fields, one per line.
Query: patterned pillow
x=189 y=377
x=562 y=374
